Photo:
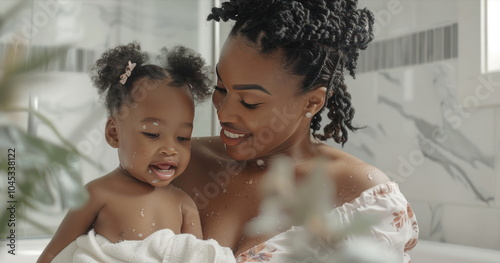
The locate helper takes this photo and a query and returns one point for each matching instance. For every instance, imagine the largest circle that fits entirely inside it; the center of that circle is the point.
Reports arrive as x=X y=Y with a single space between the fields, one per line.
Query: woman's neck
x=300 y=151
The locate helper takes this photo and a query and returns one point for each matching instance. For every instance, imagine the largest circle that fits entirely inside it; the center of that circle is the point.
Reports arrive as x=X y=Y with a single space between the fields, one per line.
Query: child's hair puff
x=186 y=66
x=181 y=64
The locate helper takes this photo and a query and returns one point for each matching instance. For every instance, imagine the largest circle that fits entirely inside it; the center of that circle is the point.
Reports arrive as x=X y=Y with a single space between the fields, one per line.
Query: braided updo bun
x=320 y=39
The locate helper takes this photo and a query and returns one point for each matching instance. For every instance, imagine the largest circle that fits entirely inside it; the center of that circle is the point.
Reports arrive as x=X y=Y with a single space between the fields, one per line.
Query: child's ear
x=316 y=100
x=111 y=133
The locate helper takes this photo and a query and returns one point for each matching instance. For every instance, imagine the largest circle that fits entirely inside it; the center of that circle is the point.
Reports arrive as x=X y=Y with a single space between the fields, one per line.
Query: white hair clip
x=128 y=71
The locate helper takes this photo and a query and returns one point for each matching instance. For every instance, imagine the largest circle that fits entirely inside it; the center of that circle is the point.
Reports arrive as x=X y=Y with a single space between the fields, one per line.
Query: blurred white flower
x=306 y=208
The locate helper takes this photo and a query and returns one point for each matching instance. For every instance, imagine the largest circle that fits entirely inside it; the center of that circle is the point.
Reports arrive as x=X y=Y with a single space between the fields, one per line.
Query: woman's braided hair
x=319 y=40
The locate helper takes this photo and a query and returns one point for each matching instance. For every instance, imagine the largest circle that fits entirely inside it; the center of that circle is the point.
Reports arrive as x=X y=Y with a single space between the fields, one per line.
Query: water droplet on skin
x=142 y=212
x=150 y=171
x=192 y=224
x=155 y=181
x=224 y=190
x=209 y=141
x=370 y=177
x=139 y=235
x=352 y=190
x=143 y=127
x=133 y=230
x=153 y=224
x=196 y=194
x=155 y=123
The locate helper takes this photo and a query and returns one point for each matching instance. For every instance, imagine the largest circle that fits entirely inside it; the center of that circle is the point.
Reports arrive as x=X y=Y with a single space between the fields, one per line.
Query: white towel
x=161 y=246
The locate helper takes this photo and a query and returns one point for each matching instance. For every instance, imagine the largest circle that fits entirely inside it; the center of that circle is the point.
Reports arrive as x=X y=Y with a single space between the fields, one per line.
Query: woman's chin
x=241 y=152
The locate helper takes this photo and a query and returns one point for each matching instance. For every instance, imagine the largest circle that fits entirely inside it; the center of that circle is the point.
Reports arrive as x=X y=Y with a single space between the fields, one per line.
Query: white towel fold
x=161 y=246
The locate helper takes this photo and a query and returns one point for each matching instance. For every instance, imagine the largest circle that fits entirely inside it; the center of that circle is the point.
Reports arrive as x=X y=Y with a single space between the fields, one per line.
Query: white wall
x=445 y=157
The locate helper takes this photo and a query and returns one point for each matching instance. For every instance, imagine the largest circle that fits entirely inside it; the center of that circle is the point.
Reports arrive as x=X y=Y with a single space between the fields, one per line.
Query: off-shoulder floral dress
x=397 y=229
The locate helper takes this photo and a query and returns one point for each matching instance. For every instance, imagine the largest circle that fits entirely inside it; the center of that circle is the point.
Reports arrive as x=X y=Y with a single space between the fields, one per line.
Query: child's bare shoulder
x=180 y=195
x=176 y=191
x=103 y=184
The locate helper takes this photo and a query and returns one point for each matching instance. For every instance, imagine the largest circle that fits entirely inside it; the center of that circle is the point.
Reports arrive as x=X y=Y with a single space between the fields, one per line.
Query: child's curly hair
x=320 y=39
x=181 y=64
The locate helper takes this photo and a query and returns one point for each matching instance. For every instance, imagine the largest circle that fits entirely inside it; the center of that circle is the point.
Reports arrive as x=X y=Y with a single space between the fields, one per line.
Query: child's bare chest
x=134 y=217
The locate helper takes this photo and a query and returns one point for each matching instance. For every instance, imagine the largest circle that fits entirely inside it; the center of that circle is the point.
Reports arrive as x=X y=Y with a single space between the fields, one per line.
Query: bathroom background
x=432 y=117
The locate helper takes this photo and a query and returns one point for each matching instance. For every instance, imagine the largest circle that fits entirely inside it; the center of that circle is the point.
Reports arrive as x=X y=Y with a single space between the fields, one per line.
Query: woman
x=280 y=68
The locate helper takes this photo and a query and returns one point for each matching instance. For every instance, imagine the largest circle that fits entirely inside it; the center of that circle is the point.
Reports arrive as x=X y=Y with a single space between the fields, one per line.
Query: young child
x=151 y=110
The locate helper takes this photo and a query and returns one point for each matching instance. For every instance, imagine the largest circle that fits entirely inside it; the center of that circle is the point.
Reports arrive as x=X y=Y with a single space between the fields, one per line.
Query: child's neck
x=125 y=173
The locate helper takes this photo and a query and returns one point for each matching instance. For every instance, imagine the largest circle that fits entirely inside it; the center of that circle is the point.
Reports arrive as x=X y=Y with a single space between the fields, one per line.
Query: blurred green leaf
x=11 y=12
x=65 y=142
x=45 y=172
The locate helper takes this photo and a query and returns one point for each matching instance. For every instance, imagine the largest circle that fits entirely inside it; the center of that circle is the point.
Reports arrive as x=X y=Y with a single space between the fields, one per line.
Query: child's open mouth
x=163 y=171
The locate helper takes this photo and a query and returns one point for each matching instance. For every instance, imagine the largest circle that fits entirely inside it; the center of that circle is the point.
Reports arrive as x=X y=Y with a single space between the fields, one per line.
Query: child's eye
x=219 y=89
x=249 y=106
x=183 y=139
x=151 y=135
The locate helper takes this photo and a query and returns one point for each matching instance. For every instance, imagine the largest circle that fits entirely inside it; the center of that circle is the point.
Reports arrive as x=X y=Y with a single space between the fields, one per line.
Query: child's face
x=153 y=132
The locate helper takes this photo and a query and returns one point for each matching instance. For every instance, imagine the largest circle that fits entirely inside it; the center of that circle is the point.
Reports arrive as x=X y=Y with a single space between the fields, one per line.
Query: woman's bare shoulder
x=351 y=175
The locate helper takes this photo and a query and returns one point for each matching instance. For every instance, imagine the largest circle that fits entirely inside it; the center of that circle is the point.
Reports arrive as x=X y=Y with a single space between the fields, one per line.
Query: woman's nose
x=226 y=109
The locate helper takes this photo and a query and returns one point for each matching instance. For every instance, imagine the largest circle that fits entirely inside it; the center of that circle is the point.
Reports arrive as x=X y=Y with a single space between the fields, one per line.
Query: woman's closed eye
x=245 y=104
x=151 y=135
x=249 y=106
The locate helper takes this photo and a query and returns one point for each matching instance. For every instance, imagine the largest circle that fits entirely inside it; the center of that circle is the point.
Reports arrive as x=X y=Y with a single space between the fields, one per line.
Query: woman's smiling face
x=257 y=102
x=153 y=132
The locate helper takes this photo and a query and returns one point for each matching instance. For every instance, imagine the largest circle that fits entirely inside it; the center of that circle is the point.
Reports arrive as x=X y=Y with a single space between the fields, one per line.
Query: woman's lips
x=163 y=171
x=232 y=138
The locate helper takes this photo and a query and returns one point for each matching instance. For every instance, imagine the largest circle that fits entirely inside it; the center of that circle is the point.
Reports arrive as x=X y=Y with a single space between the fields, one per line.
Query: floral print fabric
x=398 y=227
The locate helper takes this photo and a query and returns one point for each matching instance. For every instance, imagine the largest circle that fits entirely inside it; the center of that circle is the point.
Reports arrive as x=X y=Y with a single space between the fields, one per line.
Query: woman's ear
x=111 y=133
x=316 y=100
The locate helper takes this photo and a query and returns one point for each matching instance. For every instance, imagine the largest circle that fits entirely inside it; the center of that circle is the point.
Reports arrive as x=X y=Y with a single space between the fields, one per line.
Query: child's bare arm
x=76 y=223
x=190 y=217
